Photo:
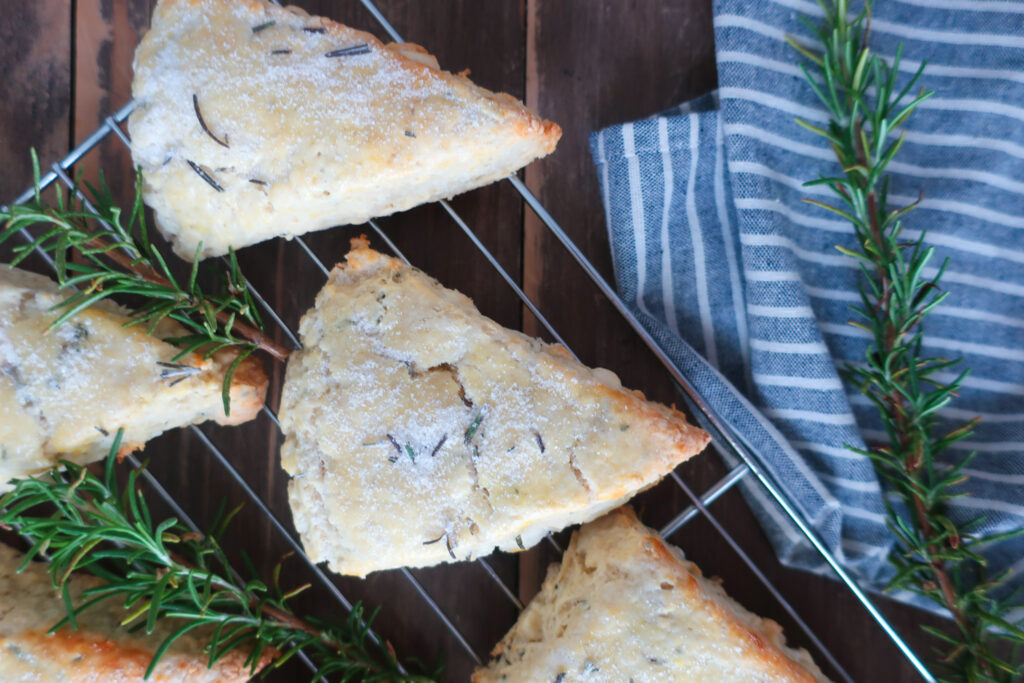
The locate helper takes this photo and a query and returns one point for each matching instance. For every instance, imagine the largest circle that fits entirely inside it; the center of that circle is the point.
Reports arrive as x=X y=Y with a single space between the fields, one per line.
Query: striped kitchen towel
x=741 y=283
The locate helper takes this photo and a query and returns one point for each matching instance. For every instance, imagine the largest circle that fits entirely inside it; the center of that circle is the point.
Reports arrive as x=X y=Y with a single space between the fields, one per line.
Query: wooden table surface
x=582 y=63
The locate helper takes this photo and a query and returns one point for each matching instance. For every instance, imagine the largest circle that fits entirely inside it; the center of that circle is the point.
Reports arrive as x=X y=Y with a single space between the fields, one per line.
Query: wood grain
x=583 y=63
x=105 y=37
x=36 y=108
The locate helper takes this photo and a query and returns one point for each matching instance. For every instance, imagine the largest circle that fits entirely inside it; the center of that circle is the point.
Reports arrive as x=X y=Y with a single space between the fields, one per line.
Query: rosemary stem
x=290 y=619
x=279 y=615
x=899 y=408
x=294 y=623
x=148 y=274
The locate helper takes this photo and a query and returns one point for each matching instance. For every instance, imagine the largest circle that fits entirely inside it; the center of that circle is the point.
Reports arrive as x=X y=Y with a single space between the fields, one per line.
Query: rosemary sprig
x=934 y=557
x=161 y=570
x=116 y=257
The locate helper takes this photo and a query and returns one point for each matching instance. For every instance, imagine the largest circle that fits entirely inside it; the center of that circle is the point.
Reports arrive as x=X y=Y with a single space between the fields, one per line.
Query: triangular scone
x=624 y=605
x=419 y=431
x=254 y=121
x=64 y=393
x=101 y=649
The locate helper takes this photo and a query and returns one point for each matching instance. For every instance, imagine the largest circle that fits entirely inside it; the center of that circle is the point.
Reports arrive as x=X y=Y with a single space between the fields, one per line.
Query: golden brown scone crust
x=309 y=141
x=65 y=393
x=419 y=431
x=100 y=651
x=624 y=605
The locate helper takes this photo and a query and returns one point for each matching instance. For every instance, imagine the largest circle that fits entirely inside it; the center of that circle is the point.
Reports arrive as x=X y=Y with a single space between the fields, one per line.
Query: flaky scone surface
x=64 y=393
x=301 y=135
x=100 y=650
x=419 y=431
x=624 y=605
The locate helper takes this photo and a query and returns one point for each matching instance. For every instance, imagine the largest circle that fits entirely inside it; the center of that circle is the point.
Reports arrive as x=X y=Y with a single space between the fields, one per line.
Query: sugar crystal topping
x=284 y=90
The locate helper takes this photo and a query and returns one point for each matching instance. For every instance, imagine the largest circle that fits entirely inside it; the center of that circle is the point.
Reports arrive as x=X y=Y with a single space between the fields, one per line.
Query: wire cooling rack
x=723 y=437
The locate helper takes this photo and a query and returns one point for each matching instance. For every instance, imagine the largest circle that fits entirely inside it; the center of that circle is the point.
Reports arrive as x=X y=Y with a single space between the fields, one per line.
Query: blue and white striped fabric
x=740 y=281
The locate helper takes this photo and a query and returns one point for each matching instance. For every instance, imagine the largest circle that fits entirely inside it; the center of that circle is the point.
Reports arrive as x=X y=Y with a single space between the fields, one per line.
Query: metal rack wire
x=723 y=437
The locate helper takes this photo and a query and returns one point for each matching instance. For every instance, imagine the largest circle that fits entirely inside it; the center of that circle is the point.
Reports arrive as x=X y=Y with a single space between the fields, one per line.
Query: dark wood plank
x=35 y=52
x=35 y=112
x=105 y=37
x=587 y=70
